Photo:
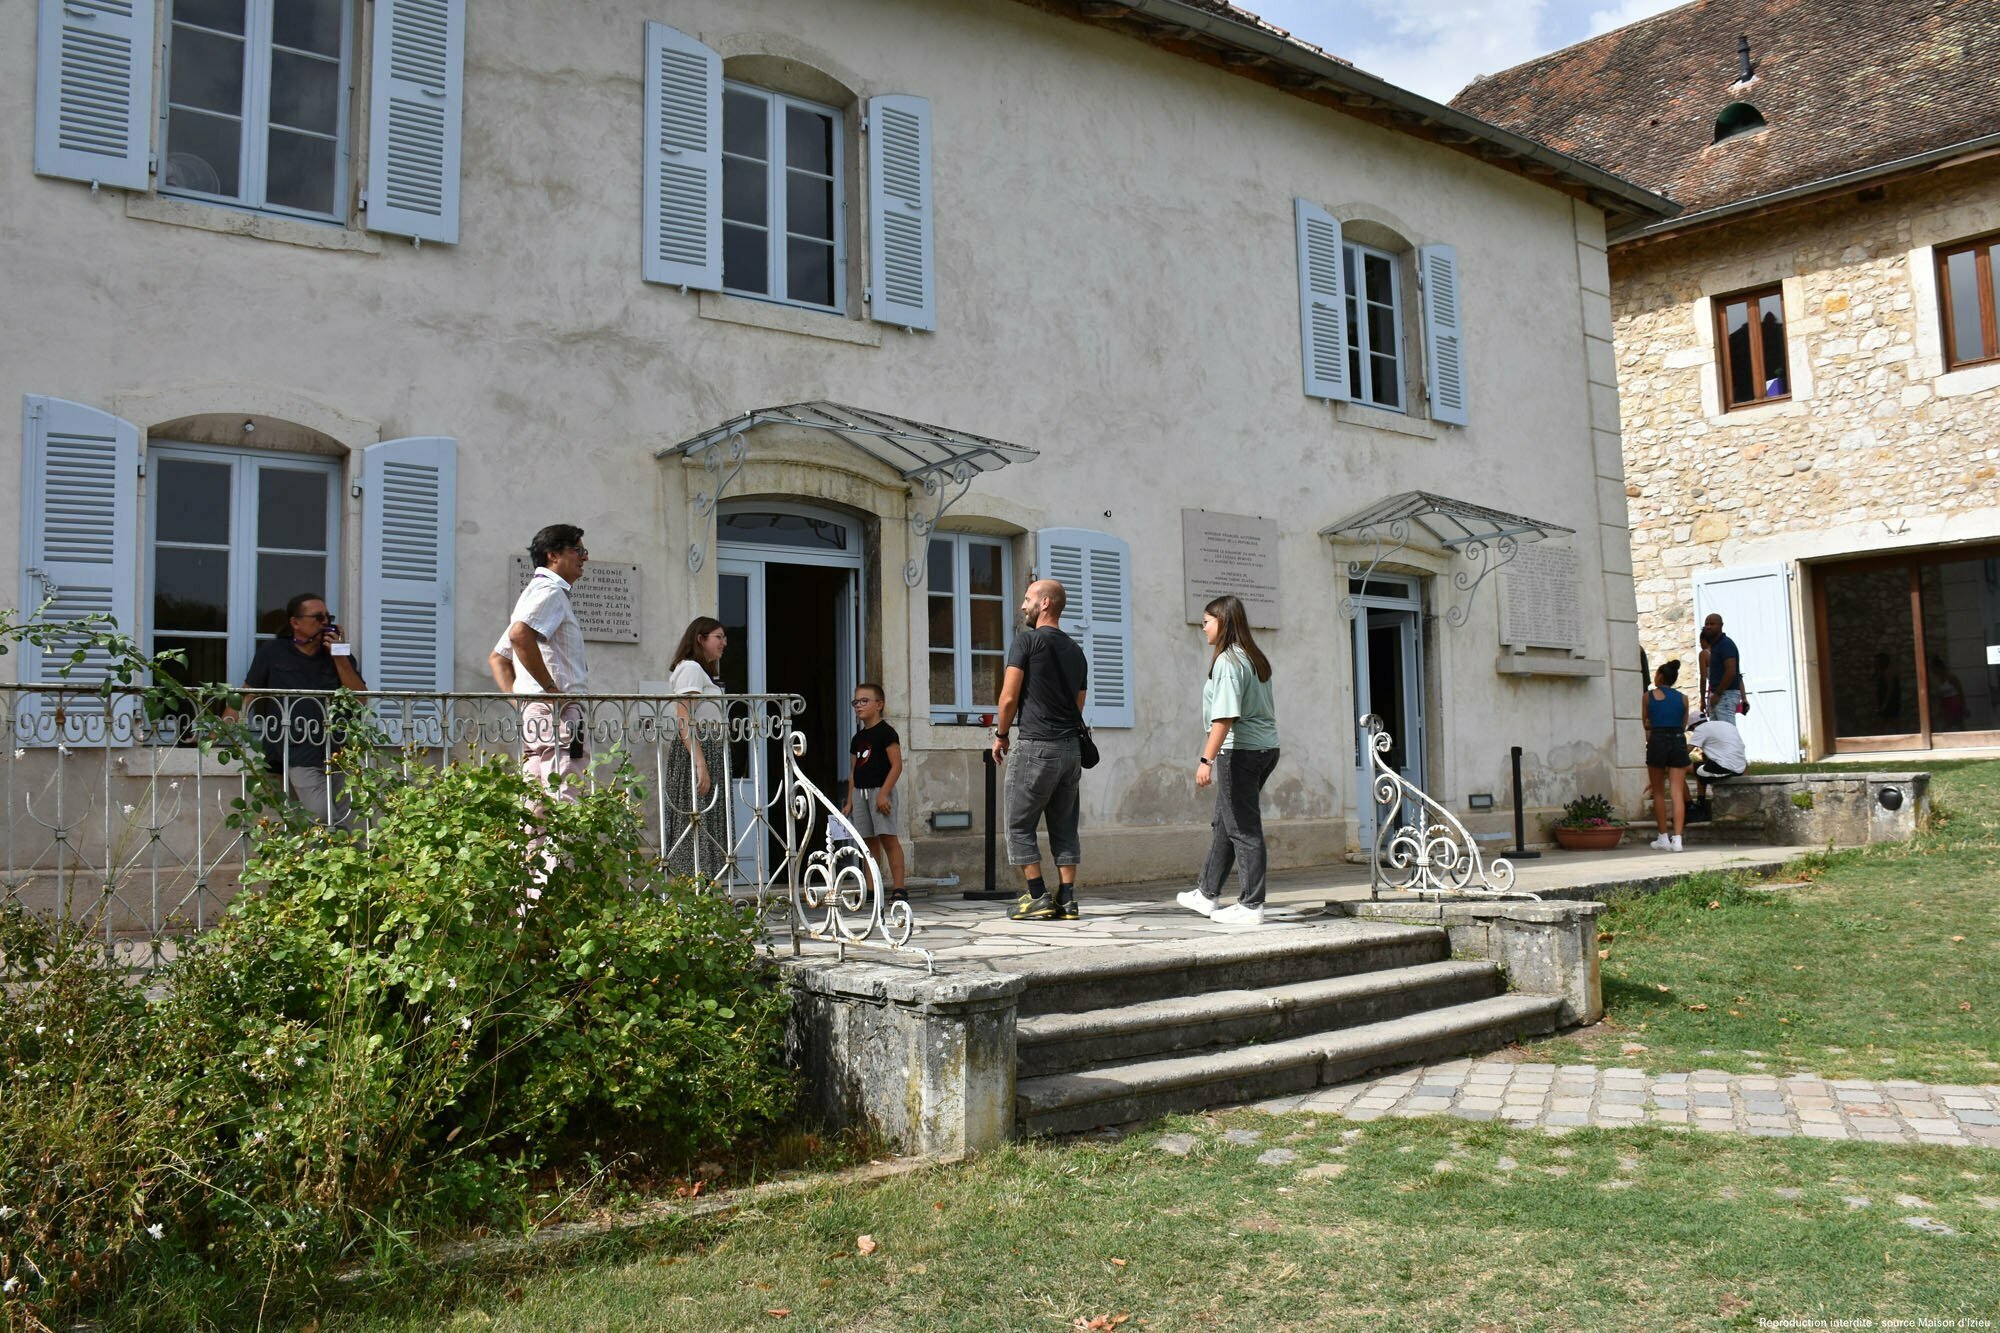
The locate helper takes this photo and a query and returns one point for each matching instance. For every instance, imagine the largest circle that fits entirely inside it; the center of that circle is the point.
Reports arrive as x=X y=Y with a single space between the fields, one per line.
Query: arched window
x=1737 y=118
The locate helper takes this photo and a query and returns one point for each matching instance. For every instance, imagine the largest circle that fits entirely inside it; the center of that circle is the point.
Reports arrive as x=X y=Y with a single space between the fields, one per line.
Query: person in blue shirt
x=1667 y=754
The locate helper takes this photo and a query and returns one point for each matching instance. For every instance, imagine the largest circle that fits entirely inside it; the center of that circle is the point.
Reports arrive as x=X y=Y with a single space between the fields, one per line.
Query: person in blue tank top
x=1667 y=754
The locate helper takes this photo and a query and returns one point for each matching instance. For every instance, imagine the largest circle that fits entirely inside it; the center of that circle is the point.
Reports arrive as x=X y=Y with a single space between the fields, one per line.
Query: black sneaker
x=899 y=896
x=1699 y=812
x=1066 y=906
x=1042 y=908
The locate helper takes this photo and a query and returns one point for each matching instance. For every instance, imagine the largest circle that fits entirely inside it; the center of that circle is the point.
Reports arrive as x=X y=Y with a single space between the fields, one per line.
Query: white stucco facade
x=1116 y=288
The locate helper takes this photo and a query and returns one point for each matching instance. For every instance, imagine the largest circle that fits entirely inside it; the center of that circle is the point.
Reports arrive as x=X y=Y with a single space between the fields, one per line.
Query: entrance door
x=788 y=585
x=1388 y=682
x=1755 y=602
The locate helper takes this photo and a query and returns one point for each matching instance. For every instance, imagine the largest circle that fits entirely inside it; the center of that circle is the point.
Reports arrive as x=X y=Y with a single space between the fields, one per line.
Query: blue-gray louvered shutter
x=409 y=517
x=1095 y=569
x=94 y=91
x=681 y=236
x=902 y=263
x=416 y=106
x=1322 y=302
x=79 y=557
x=1444 y=338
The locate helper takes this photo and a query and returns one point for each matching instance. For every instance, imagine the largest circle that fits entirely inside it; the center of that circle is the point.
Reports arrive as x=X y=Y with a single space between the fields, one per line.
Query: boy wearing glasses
x=871 y=804
x=309 y=654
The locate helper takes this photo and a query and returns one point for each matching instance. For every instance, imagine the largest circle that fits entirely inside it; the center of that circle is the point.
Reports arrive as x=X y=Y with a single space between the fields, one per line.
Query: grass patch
x=1405 y=1224
x=1883 y=965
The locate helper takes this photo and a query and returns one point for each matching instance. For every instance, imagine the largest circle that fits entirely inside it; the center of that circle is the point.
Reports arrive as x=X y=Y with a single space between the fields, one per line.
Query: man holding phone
x=311 y=653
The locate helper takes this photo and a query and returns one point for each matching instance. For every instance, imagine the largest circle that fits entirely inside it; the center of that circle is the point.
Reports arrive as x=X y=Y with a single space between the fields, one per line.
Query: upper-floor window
x=255 y=111
x=970 y=578
x=1374 y=326
x=1750 y=347
x=231 y=537
x=781 y=199
x=1965 y=299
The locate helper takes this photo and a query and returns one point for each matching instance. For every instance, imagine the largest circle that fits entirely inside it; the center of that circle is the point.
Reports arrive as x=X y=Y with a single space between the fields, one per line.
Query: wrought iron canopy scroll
x=940 y=464
x=1486 y=539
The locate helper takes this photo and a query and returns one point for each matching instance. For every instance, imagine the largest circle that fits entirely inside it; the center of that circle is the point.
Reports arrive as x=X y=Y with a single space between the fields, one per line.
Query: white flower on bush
x=39 y=1029
x=270 y=1050
x=299 y=1060
x=157 y=1231
x=5 y=1212
x=451 y=983
x=465 y=1024
x=256 y=1137
x=10 y=1286
x=130 y=808
x=20 y=754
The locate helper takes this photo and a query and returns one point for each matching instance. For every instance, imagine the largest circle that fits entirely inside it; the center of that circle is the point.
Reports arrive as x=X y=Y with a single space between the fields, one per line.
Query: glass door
x=1388 y=682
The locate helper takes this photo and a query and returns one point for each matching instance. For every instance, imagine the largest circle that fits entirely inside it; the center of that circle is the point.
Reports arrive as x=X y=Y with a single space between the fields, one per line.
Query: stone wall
x=1879 y=449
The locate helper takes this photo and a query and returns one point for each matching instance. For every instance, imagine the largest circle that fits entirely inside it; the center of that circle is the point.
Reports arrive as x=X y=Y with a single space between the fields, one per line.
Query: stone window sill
x=1762 y=412
x=788 y=319
x=1973 y=379
x=1375 y=418
x=263 y=226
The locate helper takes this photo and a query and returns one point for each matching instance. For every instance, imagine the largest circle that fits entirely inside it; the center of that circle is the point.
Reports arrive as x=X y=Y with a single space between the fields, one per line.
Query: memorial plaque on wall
x=1541 y=607
x=606 y=598
x=1230 y=553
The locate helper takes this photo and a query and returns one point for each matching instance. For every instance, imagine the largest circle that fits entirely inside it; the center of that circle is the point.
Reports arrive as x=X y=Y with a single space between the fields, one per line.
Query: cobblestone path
x=1562 y=1096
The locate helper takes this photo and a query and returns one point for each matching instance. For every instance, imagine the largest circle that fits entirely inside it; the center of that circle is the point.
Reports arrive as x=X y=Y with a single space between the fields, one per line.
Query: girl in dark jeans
x=1238 y=753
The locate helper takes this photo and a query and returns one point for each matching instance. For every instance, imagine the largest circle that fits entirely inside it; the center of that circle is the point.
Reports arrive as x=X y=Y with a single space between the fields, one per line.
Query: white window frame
x=253 y=147
x=954 y=710
x=775 y=232
x=1358 y=388
x=241 y=636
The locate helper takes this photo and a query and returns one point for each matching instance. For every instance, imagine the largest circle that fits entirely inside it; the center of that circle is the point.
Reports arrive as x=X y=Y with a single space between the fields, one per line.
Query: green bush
x=385 y=1038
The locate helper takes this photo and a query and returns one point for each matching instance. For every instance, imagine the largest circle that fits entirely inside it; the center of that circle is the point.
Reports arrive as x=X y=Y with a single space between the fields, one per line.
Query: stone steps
x=1059 y=1043
x=1112 y=1094
x=1249 y=959
x=1723 y=830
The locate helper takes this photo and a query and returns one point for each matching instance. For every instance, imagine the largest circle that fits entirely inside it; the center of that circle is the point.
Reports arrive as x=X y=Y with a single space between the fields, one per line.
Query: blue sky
x=1435 y=47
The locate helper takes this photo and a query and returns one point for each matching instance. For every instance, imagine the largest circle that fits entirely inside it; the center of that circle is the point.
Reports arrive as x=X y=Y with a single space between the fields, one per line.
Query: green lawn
x=1413 y=1224
x=1885 y=965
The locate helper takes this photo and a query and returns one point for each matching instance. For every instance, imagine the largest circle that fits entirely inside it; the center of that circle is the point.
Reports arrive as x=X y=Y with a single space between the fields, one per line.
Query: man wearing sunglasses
x=310 y=653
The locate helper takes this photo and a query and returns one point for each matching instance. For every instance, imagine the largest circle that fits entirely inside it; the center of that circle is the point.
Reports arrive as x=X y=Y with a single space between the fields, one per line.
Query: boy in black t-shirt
x=871 y=787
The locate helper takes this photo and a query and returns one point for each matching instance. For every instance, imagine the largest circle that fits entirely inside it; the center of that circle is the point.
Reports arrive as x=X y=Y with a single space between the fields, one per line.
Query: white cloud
x=1627 y=11
x=1431 y=47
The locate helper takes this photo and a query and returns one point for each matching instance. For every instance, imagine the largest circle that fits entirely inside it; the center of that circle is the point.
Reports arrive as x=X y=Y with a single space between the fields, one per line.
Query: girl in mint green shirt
x=1238 y=754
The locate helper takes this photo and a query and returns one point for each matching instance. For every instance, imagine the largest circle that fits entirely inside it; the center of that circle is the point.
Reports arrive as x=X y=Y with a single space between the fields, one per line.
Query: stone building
x=1827 y=482
x=838 y=319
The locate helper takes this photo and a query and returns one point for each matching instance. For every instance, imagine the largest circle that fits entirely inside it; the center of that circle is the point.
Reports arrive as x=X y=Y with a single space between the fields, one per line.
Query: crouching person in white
x=1722 y=757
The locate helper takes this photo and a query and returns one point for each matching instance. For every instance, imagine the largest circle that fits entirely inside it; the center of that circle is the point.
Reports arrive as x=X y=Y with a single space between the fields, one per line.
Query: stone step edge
x=1222 y=1005
x=1251 y=946
x=1052 y=1092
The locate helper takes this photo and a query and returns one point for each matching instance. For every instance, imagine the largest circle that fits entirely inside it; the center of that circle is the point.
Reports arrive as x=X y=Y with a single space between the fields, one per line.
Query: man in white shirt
x=546 y=643
x=1722 y=758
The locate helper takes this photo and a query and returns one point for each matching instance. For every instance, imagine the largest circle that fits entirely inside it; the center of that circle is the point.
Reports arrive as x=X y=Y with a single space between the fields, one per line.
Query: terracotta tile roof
x=1842 y=84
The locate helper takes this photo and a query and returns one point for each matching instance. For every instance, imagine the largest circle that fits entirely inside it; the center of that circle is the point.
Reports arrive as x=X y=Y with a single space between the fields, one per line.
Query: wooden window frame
x=1981 y=249
x=1754 y=297
x=961 y=596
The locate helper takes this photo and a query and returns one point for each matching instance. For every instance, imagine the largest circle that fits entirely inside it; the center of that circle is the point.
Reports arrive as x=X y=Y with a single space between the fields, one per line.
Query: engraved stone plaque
x=1230 y=553
x=1541 y=608
x=606 y=598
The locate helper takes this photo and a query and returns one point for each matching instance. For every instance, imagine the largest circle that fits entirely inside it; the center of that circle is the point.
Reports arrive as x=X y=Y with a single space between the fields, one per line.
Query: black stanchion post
x=1519 y=851
x=992 y=892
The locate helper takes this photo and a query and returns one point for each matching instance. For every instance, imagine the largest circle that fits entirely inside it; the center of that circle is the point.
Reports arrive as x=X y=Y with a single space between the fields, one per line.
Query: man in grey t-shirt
x=1044 y=688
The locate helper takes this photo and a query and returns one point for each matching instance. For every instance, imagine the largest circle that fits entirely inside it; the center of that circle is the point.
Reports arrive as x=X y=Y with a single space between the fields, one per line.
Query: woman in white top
x=695 y=766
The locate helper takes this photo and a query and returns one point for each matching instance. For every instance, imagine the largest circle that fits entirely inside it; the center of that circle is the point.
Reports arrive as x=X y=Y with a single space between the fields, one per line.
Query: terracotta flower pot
x=1589 y=839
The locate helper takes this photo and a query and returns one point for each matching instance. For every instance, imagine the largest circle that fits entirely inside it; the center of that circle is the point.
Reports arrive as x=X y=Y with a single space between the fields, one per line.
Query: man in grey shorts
x=1047 y=679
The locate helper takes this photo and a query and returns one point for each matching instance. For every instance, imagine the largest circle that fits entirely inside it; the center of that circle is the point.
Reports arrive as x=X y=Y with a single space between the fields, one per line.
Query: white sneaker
x=1196 y=901
x=1236 y=914
x=1664 y=843
x=1677 y=844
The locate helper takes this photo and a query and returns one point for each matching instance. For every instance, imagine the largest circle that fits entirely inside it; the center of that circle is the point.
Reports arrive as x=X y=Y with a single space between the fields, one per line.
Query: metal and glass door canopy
x=1487 y=538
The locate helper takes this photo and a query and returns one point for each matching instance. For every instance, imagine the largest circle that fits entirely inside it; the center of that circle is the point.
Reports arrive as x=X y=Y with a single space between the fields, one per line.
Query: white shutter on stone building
x=1095 y=569
x=1444 y=337
x=1322 y=301
x=902 y=265
x=681 y=165
x=94 y=91
x=409 y=507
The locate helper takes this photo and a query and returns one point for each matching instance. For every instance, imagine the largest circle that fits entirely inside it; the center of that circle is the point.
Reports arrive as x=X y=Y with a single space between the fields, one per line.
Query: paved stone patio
x=978 y=932
x=1560 y=1097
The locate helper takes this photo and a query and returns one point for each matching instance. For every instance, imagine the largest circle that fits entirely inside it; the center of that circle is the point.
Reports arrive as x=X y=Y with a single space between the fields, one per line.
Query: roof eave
x=1927 y=160
x=1302 y=70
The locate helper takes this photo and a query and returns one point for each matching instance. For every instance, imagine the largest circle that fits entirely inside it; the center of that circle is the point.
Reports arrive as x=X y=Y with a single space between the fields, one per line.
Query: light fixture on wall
x=248 y=425
x=1479 y=800
x=950 y=821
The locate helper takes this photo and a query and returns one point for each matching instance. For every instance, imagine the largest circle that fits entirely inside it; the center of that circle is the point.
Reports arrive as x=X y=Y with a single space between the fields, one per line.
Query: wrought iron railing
x=124 y=817
x=1420 y=847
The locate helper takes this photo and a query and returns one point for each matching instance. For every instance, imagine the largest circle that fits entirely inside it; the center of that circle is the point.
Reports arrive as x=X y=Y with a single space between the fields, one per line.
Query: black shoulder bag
x=1086 y=748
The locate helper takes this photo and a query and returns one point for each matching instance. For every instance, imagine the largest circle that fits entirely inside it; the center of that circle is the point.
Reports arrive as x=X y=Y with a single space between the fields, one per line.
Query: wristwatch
x=1205 y=760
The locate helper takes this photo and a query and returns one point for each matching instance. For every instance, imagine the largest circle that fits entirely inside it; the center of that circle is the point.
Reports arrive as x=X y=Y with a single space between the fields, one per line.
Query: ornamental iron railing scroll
x=1420 y=847
x=122 y=818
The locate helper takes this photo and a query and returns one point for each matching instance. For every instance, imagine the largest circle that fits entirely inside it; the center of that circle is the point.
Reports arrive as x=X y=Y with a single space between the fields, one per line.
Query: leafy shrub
x=1593 y=811
x=385 y=1037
